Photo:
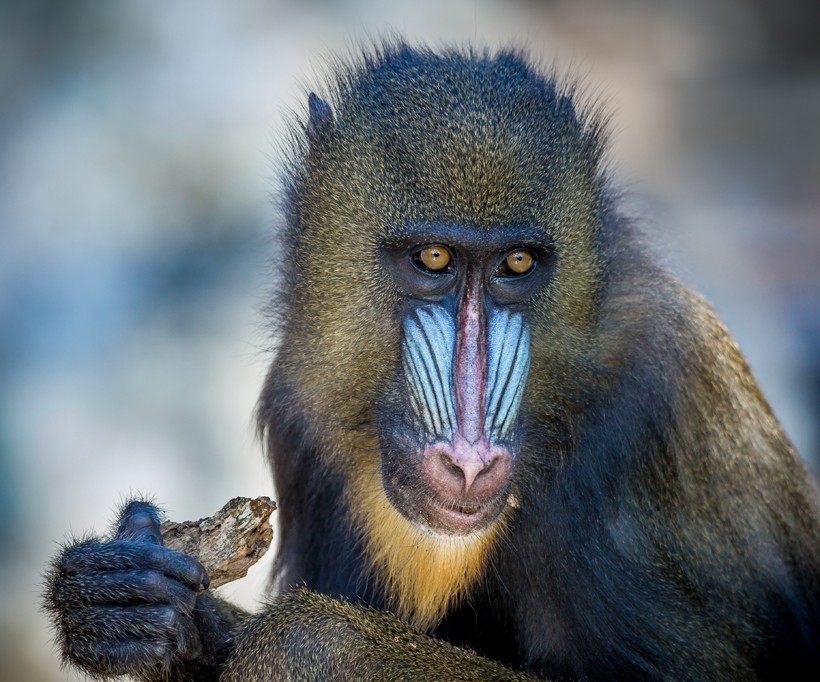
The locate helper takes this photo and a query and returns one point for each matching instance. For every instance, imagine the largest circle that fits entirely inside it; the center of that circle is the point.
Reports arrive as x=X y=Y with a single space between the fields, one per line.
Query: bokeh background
x=138 y=176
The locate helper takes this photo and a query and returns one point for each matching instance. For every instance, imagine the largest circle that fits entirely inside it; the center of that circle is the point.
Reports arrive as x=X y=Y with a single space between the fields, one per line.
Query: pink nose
x=460 y=469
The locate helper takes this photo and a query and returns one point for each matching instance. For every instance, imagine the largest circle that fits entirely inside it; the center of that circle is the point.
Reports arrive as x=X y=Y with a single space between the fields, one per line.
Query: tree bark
x=228 y=543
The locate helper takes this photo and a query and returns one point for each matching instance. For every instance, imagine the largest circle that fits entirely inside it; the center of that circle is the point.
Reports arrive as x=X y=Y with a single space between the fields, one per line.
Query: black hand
x=127 y=605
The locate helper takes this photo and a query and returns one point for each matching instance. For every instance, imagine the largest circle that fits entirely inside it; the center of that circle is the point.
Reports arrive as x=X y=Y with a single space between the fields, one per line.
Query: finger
x=119 y=555
x=112 y=657
x=139 y=521
x=150 y=622
x=124 y=587
x=140 y=527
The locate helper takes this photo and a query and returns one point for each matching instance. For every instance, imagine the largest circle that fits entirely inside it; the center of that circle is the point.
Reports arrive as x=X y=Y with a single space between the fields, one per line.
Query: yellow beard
x=421 y=572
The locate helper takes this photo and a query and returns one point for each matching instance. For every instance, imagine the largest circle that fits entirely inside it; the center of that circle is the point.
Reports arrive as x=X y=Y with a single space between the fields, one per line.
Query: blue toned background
x=138 y=162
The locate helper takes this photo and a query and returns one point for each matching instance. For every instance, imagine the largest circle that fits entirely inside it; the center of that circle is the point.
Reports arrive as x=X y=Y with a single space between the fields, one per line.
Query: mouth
x=459 y=517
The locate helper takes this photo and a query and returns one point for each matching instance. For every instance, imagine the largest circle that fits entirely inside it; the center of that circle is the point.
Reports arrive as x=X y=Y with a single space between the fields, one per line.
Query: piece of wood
x=228 y=543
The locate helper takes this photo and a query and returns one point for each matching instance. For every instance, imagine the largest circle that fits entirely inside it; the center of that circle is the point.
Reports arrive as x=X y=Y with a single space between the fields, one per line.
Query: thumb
x=139 y=521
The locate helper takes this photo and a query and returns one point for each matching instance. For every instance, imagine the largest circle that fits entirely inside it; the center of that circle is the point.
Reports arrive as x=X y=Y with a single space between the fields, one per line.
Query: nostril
x=450 y=465
x=489 y=466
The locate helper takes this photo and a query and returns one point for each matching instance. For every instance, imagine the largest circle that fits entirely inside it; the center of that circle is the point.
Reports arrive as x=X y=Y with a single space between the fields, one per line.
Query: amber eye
x=518 y=262
x=435 y=258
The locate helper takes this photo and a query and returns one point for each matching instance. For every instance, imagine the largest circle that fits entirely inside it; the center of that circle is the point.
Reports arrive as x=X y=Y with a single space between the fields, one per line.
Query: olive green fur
x=692 y=511
x=306 y=636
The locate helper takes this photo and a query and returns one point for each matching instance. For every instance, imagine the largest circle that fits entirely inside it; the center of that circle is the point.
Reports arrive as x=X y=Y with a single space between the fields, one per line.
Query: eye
x=516 y=263
x=433 y=258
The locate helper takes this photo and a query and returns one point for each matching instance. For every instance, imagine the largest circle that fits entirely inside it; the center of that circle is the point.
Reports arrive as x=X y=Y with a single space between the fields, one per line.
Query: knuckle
x=170 y=617
x=152 y=551
x=186 y=569
x=154 y=583
x=199 y=574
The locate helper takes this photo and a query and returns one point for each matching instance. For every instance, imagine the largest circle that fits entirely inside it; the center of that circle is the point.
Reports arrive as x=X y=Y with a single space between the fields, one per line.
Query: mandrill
x=506 y=442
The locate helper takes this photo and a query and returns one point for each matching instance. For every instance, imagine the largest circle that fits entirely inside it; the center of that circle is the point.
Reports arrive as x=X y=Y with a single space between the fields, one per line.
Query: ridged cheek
x=508 y=359
x=427 y=355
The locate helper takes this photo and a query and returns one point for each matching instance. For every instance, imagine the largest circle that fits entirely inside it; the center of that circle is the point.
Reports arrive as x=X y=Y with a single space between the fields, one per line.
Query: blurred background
x=138 y=175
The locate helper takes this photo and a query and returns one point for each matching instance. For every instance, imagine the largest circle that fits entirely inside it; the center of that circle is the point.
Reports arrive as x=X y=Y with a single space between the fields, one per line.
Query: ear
x=320 y=116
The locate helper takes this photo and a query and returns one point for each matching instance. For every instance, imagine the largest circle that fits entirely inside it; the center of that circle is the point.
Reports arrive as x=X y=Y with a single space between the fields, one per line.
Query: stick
x=228 y=543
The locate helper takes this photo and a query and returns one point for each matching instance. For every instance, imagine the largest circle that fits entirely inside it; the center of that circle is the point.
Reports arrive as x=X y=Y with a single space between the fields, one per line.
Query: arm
x=128 y=605
x=306 y=636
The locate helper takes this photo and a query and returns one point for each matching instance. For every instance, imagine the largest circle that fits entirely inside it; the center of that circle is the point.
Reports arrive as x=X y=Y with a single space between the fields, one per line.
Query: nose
x=457 y=470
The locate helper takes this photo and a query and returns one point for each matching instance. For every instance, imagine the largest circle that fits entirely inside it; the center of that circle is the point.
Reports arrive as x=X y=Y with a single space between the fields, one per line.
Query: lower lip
x=452 y=522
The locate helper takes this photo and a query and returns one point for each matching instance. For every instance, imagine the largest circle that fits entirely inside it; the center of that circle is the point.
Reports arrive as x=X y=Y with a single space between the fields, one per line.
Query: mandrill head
x=441 y=276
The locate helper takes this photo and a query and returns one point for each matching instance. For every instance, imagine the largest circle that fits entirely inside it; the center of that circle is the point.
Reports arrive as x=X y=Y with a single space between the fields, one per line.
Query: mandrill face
x=442 y=285
x=455 y=229
x=450 y=449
